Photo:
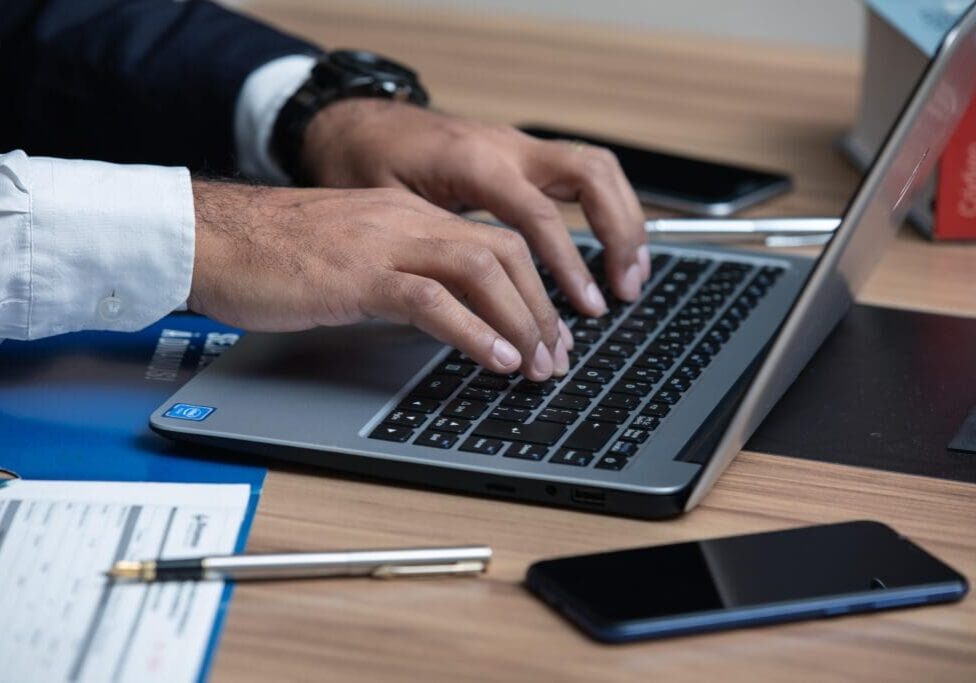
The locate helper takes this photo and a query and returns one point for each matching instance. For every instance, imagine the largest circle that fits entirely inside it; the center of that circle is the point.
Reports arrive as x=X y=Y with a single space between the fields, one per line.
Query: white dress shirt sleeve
x=262 y=96
x=86 y=245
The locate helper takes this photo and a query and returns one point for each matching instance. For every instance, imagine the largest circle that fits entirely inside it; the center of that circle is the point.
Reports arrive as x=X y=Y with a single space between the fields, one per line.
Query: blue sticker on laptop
x=188 y=411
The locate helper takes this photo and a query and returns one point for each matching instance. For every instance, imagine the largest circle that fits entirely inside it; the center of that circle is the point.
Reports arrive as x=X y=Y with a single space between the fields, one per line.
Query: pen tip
x=125 y=569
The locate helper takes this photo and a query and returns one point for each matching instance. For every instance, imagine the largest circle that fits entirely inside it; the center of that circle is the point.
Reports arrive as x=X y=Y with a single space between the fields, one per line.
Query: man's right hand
x=284 y=259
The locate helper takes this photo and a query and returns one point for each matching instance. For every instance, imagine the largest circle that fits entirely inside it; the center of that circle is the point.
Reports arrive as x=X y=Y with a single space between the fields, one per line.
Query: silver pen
x=775 y=231
x=388 y=563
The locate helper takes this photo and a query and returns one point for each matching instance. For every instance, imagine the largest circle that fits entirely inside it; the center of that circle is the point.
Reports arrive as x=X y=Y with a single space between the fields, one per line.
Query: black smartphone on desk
x=686 y=184
x=722 y=583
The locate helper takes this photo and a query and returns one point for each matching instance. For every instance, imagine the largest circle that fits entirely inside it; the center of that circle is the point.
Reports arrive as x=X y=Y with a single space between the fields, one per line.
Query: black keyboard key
x=566 y=417
x=607 y=414
x=591 y=436
x=593 y=323
x=632 y=388
x=575 y=388
x=475 y=394
x=658 y=361
x=477 y=444
x=535 y=432
x=645 y=422
x=623 y=448
x=527 y=451
x=678 y=384
x=454 y=368
x=624 y=401
x=593 y=375
x=392 y=433
x=419 y=405
x=586 y=336
x=436 y=386
x=628 y=337
x=405 y=418
x=568 y=456
x=667 y=396
x=450 y=424
x=648 y=312
x=675 y=335
x=436 y=439
x=490 y=382
x=538 y=388
x=688 y=371
x=717 y=336
x=612 y=462
x=638 y=324
x=510 y=414
x=459 y=357
x=656 y=409
x=606 y=362
x=698 y=360
x=634 y=435
x=616 y=349
x=727 y=323
x=522 y=401
x=647 y=375
x=465 y=408
x=569 y=402
x=708 y=348
x=666 y=348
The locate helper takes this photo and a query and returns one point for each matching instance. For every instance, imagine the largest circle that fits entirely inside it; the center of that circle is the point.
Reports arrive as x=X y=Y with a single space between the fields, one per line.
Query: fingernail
x=561 y=359
x=632 y=283
x=644 y=259
x=542 y=363
x=595 y=299
x=566 y=335
x=505 y=353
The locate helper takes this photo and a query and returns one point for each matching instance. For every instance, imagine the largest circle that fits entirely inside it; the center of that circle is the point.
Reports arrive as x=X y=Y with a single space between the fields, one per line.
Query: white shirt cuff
x=262 y=96
x=111 y=246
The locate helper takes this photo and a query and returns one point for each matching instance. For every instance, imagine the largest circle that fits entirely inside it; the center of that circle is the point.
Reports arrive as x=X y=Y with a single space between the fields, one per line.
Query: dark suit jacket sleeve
x=147 y=81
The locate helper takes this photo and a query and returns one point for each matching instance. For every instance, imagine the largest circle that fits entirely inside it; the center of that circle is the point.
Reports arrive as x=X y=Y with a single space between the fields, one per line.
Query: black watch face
x=375 y=65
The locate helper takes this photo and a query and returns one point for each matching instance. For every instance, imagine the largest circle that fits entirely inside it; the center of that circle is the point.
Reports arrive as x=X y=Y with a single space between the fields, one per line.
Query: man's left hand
x=460 y=163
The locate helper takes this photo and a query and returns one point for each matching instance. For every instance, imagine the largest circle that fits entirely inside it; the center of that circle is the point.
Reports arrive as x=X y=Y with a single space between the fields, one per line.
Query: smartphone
x=685 y=184
x=722 y=583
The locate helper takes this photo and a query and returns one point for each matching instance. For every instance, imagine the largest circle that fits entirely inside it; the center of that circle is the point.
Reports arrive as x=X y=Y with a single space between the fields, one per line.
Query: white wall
x=829 y=24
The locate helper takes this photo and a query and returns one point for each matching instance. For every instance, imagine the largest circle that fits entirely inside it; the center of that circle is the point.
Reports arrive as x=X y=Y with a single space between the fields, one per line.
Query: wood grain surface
x=775 y=107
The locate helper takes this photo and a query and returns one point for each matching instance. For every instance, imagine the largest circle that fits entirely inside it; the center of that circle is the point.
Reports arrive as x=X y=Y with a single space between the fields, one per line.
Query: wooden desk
x=775 y=107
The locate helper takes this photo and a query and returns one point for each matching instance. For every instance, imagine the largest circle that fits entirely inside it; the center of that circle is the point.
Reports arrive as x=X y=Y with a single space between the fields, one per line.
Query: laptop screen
x=874 y=214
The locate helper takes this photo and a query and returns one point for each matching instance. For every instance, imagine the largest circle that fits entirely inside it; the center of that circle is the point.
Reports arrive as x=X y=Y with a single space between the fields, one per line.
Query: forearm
x=89 y=245
x=147 y=81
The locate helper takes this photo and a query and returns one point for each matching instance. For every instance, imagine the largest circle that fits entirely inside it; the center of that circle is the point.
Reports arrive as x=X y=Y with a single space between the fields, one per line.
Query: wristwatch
x=338 y=75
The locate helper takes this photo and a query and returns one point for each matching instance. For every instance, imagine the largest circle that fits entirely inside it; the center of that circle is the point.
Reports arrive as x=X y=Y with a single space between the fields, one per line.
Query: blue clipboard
x=76 y=407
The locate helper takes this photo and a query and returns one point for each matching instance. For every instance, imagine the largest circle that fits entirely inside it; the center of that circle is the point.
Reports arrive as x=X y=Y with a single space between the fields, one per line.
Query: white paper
x=61 y=619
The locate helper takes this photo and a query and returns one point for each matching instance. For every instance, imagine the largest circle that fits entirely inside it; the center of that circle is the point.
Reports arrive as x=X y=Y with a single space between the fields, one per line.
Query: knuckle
x=544 y=212
x=478 y=261
x=512 y=244
x=599 y=161
x=423 y=295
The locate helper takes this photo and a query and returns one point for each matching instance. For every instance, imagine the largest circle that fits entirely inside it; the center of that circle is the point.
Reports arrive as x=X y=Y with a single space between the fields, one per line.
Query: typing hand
x=461 y=163
x=281 y=259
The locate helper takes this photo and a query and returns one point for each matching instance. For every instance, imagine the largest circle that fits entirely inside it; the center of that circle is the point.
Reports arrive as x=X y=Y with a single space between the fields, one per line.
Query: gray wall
x=828 y=24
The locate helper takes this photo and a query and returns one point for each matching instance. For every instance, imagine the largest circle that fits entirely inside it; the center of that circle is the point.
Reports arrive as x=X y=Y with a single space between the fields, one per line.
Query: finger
x=592 y=176
x=513 y=253
x=506 y=193
x=476 y=275
x=425 y=304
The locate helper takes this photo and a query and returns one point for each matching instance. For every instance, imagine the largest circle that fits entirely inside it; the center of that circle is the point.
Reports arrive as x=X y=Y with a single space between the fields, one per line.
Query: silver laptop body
x=725 y=332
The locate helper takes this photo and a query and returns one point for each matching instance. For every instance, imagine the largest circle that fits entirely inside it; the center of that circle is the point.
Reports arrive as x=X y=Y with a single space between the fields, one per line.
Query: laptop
x=661 y=395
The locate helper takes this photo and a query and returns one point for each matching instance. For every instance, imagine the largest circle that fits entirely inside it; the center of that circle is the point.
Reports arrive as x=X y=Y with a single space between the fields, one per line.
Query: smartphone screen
x=683 y=183
x=743 y=580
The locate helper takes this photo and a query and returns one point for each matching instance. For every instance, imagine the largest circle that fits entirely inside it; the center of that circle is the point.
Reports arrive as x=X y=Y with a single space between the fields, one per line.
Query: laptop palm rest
x=334 y=380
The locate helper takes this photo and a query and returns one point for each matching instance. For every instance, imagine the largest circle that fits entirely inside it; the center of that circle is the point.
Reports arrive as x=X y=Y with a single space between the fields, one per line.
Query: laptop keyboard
x=627 y=371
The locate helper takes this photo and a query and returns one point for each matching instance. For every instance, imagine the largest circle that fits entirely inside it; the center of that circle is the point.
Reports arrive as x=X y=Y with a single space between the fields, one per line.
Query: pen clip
x=392 y=571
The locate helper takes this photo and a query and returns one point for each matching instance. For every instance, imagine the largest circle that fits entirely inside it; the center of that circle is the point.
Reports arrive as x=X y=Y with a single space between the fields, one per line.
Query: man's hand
x=280 y=259
x=461 y=163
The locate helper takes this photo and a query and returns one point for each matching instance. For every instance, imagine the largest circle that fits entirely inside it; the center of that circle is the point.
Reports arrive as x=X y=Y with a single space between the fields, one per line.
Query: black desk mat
x=889 y=390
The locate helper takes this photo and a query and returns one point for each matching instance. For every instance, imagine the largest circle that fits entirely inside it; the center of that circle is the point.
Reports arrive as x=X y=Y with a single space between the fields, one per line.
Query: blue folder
x=76 y=407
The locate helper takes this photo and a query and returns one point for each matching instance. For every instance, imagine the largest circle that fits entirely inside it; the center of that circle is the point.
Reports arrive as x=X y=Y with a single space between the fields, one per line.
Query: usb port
x=588 y=496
